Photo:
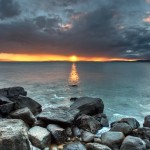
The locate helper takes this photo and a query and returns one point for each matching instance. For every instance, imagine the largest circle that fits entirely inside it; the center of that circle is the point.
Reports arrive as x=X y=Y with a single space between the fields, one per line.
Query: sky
x=96 y=30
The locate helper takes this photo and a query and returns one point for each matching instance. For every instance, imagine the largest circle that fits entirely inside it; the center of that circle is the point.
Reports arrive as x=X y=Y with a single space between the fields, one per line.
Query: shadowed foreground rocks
x=82 y=126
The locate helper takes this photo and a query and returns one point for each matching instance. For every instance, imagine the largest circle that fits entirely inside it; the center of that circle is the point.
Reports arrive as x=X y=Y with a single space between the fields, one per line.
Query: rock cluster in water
x=82 y=126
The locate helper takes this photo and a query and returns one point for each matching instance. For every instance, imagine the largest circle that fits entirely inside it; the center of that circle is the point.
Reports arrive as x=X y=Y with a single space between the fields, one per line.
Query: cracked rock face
x=13 y=135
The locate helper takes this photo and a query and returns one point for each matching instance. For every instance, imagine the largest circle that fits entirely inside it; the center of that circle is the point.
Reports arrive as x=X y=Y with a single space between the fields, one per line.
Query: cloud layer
x=104 y=28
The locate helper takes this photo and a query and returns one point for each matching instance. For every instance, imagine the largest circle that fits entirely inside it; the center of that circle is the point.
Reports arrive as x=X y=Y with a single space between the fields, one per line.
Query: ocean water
x=123 y=87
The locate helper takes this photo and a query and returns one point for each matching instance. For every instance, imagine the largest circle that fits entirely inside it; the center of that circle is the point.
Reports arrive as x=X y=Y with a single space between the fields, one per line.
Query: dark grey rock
x=143 y=133
x=88 y=123
x=133 y=143
x=69 y=132
x=13 y=135
x=122 y=127
x=58 y=133
x=147 y=121
x=88 y=105
x=102 y=118
x=24 y=114
x=96 y=146
x=39 y=137
x=23 y=101
x=13 y=92
x=6 y=106
x=76 y=132
x=87 y=136
x=112 y=139
x=61 y=115
x=74 y=146
x=97 y=140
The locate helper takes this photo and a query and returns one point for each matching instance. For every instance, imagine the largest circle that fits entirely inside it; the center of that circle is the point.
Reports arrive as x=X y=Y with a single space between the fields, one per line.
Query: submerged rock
x=13 y=135
x=6 y=106
x=74 y=146
x=57 y=133
x=96 y=146
x=112 y=139
x=61 y=115
x=13 y=92
x=88 y=123
x=76 y=132
x=23 y=101
x=133 y=143
x=24 y=114
x=39 y=137
x=88 y=105
x=147 y=121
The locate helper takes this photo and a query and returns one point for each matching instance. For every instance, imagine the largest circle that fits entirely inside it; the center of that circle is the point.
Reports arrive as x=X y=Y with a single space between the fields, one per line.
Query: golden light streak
x=48 y=57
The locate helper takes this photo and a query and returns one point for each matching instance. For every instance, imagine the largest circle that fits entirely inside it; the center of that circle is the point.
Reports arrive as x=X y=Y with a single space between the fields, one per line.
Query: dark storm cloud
x=8 y=9
x=110 y=28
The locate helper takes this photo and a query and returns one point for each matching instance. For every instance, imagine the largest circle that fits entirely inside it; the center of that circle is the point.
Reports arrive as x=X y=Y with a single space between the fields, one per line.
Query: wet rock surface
x=96 y=146
x=74 y=146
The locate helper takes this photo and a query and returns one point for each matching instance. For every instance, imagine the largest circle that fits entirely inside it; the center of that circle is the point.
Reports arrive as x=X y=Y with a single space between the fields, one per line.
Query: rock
x=143 y=133
x=13 y=135
x=24 y=114
x=39 y=137
x=87 y=136
x=88 y=106
x=57 y=133
x=132 y=122
x=97 y=140
x=88 y=123
x=35 y=148
x=76 y=132
x=74 y=146
x=40 y=123
x=96 y=146
x=23 y=101
x=133 y=143
x=102 y=118
x=60 y=115
x=73 y=99
x=147 y=121
x=13 y=92
x=69 y=132
x=112 y=139
x=6 y=106
x=122 y=127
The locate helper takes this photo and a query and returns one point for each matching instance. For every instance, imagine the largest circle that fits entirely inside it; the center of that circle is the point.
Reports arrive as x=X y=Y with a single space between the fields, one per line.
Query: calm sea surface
x=124 y=87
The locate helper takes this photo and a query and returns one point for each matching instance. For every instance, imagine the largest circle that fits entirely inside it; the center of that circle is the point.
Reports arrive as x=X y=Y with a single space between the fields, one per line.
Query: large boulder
x=74 y=146
x=23 y=101
x=88 y=123
x=13 y=135
x=39 y=137
x=112 y=139
x=6 y=106
x=133 y=143
x=122 y=127
x=13 y=92
x=61 y=115
x=147 y=121
x=96 y=146
x=24 y=114
x=58 y=133
x=88 y=105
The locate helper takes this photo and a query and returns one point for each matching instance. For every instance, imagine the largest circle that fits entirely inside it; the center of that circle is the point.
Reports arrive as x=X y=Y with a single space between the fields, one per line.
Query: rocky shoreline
x=82 y=126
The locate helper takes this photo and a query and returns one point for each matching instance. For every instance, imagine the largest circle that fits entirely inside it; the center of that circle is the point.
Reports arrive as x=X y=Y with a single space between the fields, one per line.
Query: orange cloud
x=147 y=19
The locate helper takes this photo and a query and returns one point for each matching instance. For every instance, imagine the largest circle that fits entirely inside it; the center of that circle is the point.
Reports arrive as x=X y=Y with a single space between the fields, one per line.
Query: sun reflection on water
x=74 y=76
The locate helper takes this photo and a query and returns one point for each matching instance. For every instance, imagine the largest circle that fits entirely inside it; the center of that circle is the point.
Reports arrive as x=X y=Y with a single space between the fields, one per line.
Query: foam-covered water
x=124 y=87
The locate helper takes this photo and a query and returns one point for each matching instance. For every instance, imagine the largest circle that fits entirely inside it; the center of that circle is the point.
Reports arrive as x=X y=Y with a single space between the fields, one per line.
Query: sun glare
x=73 y=58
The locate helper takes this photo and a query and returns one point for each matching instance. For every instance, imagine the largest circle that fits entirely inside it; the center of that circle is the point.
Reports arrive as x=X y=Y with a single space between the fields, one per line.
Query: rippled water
x=124 y=87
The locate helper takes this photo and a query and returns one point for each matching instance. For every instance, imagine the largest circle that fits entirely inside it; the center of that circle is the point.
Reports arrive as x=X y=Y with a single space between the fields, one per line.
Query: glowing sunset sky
x=91 y=30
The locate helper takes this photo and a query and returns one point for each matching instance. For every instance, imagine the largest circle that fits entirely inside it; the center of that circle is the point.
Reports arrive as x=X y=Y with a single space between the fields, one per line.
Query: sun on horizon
x=73 y=58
